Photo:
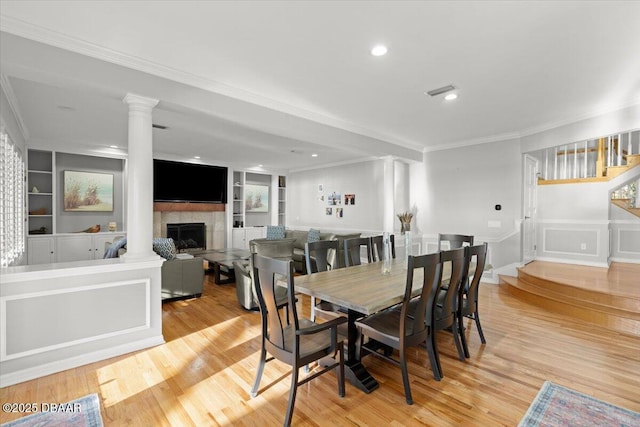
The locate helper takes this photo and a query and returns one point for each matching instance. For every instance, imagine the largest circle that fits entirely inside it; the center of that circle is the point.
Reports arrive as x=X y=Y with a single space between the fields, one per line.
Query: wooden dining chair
x=299 y=343
x=376 y=247
x=468 y=298
x=446 y=313
x=409 y=326
x=353 y=249
x=317 y=255
x=455 y=240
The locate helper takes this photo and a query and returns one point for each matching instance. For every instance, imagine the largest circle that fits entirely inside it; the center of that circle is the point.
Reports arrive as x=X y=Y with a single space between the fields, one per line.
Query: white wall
x=365 y=180
x=455 y=191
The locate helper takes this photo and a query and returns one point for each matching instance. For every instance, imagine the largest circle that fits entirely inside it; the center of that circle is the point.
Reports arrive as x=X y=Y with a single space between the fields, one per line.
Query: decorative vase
x=386 y=253
x=404 y=227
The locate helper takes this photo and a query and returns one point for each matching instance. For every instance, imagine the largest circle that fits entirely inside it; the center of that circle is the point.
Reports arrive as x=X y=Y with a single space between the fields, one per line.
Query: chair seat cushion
x=383 y=326
x=309 y=344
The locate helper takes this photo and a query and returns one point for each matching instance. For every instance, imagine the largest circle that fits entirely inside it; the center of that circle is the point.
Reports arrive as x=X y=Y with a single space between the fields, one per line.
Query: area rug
x=557 y=406
x=83 y=412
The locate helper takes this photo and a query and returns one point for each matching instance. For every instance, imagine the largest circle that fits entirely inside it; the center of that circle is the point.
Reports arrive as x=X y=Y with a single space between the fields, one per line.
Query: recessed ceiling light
x=314 y=155
x=196 y=157
x=113 y=146
x=259 y=166
x=451 y=96
x=379 y=50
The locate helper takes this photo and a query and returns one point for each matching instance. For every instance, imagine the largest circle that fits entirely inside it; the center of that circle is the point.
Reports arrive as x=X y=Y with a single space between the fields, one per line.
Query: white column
x=140 y=178
x=389 y=199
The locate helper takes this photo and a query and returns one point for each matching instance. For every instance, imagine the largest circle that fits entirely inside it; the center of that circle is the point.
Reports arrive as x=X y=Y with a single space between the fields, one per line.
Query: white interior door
x=530 y=202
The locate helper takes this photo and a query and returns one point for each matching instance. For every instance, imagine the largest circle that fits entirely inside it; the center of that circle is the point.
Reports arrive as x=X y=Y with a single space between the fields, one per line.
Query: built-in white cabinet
x=41 y=250
x=74 y=248
x=240 y=237
x=68 y=247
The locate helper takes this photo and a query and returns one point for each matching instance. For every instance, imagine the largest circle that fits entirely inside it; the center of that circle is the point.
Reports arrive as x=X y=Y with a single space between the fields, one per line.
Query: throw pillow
x=313 y=236
x=275 y=232
x=166 y=248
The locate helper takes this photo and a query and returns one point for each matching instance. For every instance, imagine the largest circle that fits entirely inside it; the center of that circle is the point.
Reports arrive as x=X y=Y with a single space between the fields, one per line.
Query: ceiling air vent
x=441 y=90
x=159 y=126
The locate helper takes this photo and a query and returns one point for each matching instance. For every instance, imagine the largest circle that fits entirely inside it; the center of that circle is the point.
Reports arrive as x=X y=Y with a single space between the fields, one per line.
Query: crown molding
x=54 y=38
x=13 y=105
x=475 y=141
x=633 y=102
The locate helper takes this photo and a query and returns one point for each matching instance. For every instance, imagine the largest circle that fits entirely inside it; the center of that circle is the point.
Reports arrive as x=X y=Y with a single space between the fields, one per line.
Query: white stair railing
x=580 y=159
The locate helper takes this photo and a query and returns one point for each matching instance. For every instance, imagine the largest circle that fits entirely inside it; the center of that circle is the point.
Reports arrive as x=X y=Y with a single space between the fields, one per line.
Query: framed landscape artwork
x=256 y=198
x=88 y=192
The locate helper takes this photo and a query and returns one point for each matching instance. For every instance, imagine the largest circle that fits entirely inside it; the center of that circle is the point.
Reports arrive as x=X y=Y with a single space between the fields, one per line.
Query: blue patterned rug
x=557 y=406
x=83 y=412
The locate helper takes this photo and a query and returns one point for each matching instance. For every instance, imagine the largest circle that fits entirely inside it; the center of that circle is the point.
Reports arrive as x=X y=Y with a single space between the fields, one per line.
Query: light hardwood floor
x=203 y=374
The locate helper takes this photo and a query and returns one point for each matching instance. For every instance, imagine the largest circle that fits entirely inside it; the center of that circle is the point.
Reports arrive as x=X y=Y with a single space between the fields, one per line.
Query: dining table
x=361 y=290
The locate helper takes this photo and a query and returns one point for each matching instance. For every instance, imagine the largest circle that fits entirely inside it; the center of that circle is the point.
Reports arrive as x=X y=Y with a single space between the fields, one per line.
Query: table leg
x=355 y=372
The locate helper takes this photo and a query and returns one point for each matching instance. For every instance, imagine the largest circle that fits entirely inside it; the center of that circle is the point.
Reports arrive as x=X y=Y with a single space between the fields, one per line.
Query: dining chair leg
x=463 y=338
x=434 y=359
x=292 y=396
x=341 y=371
x=476 y=317
x=457 y=339
x=405 y=376
x=263 y=361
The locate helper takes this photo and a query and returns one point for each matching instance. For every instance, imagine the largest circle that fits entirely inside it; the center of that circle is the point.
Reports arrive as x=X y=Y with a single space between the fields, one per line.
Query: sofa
x=301 y=237
x=182 y=274
x=280 y=249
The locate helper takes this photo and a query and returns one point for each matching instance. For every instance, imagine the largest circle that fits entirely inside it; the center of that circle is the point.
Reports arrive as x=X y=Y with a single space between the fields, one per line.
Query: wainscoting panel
x=626 y=241
x=571 y=241
x=584 y=242
x=77 y=315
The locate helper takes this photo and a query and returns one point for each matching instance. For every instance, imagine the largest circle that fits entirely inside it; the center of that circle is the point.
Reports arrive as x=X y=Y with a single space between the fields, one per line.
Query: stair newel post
x=629 y=146
x=546 y=164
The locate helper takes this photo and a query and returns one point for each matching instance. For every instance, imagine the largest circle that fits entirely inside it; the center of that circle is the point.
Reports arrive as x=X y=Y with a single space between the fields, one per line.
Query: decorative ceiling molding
x=53 y=38
x=13 y=105
x=475 y=141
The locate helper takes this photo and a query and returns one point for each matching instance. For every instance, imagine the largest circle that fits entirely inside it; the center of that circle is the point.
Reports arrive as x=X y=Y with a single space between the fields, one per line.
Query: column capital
x=142 y=101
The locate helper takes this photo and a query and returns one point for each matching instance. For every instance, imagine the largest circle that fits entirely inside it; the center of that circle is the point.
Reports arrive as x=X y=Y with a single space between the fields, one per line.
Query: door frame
x=529 y=208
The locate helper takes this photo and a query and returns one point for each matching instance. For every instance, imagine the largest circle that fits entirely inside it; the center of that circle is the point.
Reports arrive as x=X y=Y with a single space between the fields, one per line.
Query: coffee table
x=221 y=262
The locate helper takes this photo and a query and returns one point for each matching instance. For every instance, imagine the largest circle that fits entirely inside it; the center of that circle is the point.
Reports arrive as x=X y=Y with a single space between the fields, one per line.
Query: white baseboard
x=626 y=260
x=574 y=261
x=507 y=270
x=73 y=362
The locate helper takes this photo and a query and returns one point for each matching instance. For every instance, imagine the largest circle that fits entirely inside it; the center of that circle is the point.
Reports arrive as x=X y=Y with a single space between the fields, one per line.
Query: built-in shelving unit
x=282 y=200
x=40 y=184
x=238 y=199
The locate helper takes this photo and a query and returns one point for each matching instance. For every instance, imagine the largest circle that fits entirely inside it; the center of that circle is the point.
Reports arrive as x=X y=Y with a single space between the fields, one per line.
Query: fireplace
x=188 y=236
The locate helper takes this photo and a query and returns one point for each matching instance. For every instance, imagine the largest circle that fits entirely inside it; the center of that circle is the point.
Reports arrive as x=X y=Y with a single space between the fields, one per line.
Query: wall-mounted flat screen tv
x=189 y=182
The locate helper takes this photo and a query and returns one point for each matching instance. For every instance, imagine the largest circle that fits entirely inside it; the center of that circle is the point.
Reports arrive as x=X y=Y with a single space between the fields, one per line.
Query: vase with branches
x=405 y=221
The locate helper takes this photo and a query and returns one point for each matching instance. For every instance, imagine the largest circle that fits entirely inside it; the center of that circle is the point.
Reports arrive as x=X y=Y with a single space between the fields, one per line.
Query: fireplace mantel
x=188 y=207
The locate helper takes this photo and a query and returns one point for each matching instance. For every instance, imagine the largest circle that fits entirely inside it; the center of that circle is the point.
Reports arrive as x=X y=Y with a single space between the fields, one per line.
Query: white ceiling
x=263 y=82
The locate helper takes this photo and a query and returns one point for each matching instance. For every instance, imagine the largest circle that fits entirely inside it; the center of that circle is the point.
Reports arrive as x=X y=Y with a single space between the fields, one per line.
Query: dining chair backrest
x=455 y=240
x=445 y=315
x=269 y=274
x=376 y=247
x=478 y=254
x=418 y=316
x=316 y=255
x=352 y=250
